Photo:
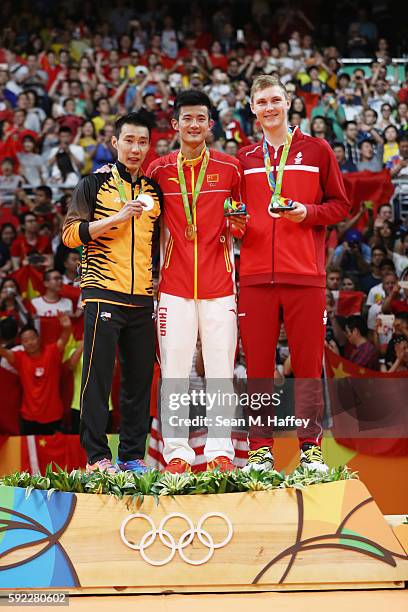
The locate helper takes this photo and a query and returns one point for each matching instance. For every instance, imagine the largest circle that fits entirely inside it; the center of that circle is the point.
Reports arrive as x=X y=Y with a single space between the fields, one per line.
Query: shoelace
x=314 y=453
x=258 y=455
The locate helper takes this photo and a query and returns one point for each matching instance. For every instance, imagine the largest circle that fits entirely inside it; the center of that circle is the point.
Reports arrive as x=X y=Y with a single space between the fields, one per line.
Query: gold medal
x=191 y=231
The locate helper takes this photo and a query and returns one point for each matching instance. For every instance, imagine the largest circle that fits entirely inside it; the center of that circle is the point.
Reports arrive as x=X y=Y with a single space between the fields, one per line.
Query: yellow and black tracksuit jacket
x=117 y=266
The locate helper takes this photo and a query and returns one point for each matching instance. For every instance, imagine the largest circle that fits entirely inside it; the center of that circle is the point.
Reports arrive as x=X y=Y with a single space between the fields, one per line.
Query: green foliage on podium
x=157 y=484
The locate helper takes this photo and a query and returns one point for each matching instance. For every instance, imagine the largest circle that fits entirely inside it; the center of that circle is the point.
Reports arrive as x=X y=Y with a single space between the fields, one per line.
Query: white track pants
x=178 y=324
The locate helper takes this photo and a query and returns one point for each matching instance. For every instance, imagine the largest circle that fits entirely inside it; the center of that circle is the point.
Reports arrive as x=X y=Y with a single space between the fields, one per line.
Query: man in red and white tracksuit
x=197 y=290
x=282 y=266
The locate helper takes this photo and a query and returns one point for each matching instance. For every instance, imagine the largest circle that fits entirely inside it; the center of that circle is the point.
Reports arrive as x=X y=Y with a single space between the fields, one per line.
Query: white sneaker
x=311 y=457
x=259 y=460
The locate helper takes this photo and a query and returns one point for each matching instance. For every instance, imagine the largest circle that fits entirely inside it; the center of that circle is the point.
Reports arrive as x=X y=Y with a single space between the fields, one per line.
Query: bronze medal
x=191 y=231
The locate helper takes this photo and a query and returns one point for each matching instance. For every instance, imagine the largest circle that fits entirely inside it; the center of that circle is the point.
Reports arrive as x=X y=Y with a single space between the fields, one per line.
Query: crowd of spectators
x=66 y=72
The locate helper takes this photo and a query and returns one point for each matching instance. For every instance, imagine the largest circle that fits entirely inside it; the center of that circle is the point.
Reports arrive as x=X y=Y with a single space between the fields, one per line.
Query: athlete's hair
x=191 y=97
x=263 y=81
x=132 y=119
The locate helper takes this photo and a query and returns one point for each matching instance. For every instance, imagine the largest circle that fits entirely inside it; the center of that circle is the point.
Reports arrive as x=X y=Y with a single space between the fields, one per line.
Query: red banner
x=350 y=303
x=374 y=186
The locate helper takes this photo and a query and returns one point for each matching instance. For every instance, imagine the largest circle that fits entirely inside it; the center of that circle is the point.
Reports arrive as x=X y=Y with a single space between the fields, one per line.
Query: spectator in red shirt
x=40 y=371
x=15 y=133
x=397 y=300
x=30 y=243
x=364 y=353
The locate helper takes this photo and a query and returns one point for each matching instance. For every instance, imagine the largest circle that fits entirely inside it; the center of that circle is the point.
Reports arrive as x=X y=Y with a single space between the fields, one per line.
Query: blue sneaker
x=138 y=466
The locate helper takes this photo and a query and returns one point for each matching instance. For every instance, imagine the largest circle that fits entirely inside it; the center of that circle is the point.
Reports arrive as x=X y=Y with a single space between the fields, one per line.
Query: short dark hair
x=369 y=140
x=372 y=110
x=349 y=123
x=132 y=119
x=403 y=137
x=357 y=322
x=331 y=269
x=191 y=97
x=68 y=252
x=382 y=206
x=47 y=191
x=68 y=100
x=64 y=128
x=30 y=138
x=25 y=215
x=337 y=145
x=50 y=271
x=387 y=262
x=379 y=247
x=28 y=327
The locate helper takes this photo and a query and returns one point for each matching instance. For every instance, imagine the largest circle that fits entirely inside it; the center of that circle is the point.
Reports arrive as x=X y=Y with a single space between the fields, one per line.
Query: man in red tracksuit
x=197 y=285
x=282 y=268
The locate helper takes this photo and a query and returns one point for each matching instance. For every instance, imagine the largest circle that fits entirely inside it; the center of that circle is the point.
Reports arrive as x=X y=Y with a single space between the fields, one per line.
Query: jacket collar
x=125 y=174
x=295 y=134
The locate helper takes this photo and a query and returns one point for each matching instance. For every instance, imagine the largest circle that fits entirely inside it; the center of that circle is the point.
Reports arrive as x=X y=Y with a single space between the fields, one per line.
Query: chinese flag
x=368 y=408
x=64 y=450
x=30 y=281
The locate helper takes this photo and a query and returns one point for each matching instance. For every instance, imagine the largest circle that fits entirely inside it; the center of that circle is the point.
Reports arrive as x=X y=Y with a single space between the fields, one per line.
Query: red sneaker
x=177 y=466
x=224 y=464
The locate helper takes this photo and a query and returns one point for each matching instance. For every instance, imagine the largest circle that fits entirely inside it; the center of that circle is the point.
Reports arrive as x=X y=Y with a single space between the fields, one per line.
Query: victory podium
x=324 y=536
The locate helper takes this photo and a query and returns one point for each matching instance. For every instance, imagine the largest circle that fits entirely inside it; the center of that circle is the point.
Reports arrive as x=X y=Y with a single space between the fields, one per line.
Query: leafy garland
x=157 y=484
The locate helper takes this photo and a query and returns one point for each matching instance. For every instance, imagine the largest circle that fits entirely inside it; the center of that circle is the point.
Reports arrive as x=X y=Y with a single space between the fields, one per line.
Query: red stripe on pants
x=259 y=320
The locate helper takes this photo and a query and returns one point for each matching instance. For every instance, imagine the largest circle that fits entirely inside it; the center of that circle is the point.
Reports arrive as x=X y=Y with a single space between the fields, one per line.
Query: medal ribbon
x=119 y=184
x=276 y=187
x=197 y=187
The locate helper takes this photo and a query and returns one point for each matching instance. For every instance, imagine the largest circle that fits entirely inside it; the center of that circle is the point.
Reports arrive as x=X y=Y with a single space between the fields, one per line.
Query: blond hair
x=263 y=81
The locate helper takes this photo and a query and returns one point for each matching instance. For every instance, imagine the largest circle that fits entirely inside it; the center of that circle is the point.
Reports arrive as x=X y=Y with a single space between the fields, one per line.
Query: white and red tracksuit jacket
x=278 y=250
x=204 y=267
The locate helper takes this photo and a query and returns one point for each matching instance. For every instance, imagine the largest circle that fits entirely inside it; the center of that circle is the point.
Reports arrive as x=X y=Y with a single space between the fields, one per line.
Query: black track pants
x=131 y=330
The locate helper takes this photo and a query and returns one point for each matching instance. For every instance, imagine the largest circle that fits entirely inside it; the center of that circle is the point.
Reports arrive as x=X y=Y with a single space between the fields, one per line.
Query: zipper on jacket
x=274 y=220
x=132 y=249
x=195 y=239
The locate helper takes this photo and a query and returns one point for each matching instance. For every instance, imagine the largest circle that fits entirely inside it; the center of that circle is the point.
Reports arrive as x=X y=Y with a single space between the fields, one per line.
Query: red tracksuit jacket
x=278 y=250
x=204 y=267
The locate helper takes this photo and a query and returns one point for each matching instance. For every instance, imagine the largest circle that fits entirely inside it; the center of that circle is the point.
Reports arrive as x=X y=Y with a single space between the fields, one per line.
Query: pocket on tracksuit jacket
x=169 y=250
x=223 y=241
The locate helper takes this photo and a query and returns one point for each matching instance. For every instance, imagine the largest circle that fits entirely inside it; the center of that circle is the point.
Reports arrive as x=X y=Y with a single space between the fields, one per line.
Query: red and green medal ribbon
x=276 y=186
x=191 y=228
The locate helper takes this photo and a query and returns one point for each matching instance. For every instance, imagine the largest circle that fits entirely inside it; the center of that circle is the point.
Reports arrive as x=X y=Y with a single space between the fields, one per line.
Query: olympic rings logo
x=184 y=540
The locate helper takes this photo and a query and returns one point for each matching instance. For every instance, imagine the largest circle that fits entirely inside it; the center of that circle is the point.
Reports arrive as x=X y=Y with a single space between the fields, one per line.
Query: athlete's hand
x=238 y=225
x=297 y=214
x=132 y=208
